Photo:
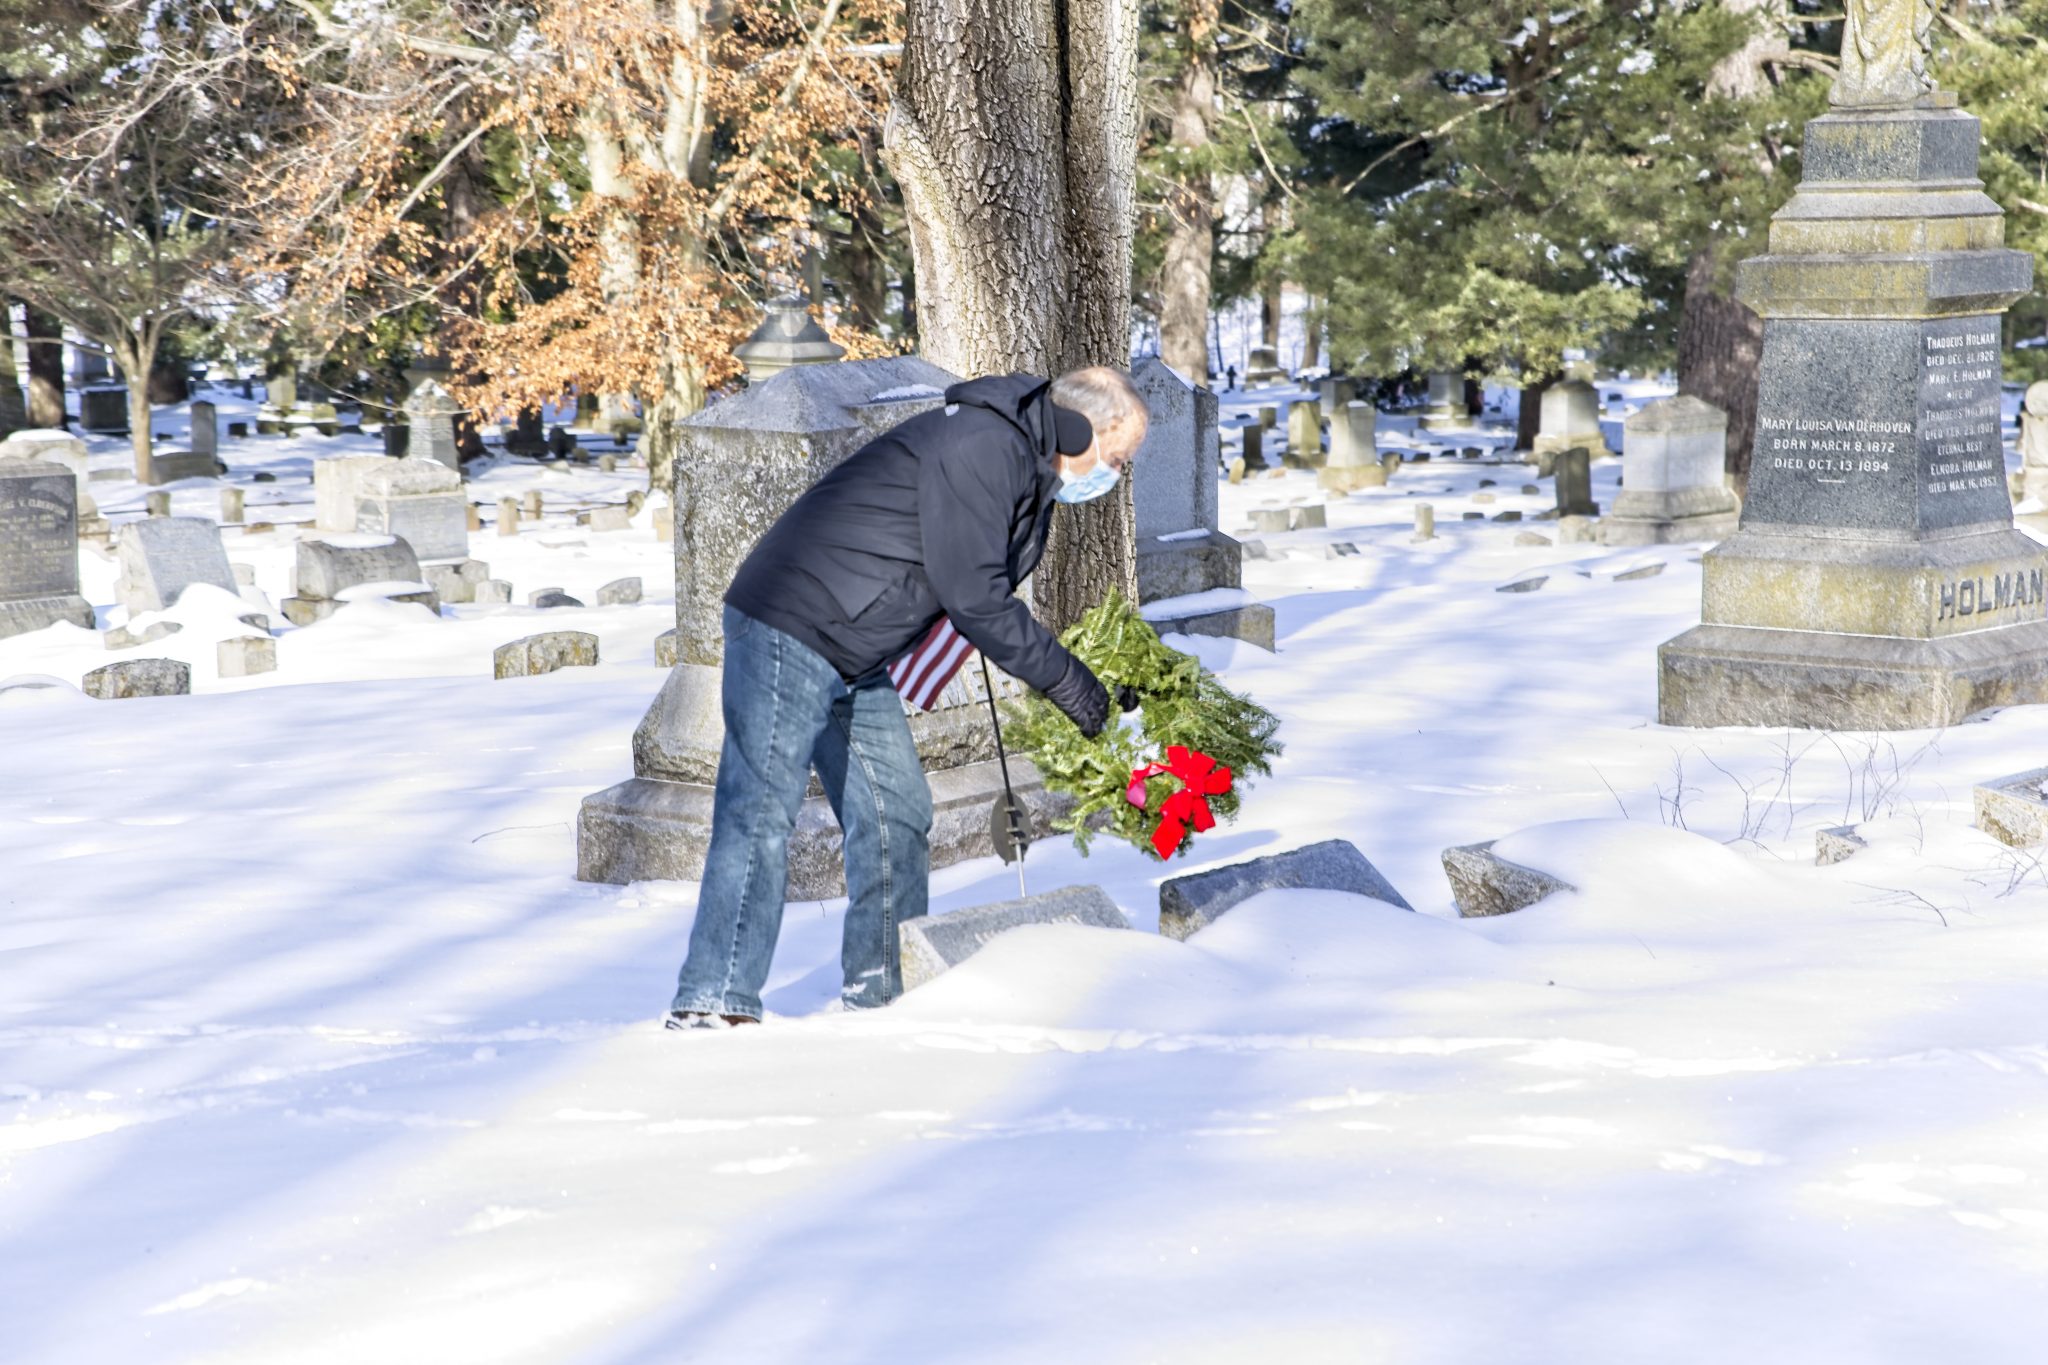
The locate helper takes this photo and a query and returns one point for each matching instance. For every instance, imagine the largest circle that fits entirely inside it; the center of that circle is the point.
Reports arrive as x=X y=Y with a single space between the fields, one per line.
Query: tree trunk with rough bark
x=1720 y=342
x=134 y=355
x=1529 y=415
x=1018 y=171
x=1191 y=220
x=45 y=369
x=1720 y=345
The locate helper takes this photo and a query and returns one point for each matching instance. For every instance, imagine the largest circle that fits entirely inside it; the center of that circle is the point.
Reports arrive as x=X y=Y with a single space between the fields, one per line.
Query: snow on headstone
x=935 y=944
x=162 y=556
x=1188 y=903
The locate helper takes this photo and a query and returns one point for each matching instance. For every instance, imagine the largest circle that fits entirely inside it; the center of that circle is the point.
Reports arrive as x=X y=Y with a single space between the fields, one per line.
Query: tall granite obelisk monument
x=1876 y=582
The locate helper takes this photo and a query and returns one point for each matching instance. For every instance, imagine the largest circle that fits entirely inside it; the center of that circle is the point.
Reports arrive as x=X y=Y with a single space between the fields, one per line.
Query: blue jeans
x=788 y=711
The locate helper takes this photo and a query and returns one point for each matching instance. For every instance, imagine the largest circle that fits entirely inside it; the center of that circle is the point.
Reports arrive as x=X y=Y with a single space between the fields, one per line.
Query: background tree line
x=595 y=196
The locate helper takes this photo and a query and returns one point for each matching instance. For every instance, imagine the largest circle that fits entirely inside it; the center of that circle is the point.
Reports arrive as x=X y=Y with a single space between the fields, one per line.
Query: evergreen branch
x=1252 y=126
x=1384 y=157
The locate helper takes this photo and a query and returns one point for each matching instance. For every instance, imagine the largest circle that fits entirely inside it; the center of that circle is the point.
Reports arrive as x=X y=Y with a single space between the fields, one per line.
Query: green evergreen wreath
x=1182 y=704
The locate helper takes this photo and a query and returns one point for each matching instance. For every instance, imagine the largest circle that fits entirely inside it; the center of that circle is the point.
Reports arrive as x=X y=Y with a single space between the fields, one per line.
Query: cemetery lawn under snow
x=313 y=1050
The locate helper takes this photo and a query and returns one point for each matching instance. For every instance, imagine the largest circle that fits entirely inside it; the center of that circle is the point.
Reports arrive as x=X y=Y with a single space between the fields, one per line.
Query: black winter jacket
x=944 y=514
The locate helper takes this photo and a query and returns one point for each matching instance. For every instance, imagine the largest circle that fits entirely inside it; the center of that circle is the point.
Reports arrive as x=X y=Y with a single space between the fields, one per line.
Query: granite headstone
x=1876 y=581
x=39 y=547
x=935 y=944
x=160 y=557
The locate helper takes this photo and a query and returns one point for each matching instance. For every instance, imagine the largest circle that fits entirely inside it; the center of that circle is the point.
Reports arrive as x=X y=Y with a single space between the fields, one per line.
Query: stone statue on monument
x=1885 y=46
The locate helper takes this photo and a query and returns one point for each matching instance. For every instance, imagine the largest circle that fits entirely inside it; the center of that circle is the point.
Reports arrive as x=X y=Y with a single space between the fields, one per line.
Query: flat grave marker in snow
x=138 y=678
x=533 y=655
x=1189 y=902
x=1484 y=884
x=935 y=944
x=39 y=547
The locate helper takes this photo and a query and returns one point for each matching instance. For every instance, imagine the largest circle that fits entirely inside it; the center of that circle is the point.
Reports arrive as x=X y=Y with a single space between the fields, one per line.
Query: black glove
x=1080 y=695
x=1127 y=698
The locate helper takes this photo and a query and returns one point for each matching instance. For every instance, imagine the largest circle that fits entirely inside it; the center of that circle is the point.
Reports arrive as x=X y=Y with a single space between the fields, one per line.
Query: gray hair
x=1104 y=395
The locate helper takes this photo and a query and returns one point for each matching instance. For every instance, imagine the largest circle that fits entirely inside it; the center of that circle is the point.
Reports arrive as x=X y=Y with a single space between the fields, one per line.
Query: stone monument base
x=1251 y=623
x=1186 y=564
x=304 y=611
x=1445 y=420
x=1626 y=531
x=169 y=466
x=1350 y=478
x=22 y=615
x=645 y=829
x=1741 y=675
x=1180 y=565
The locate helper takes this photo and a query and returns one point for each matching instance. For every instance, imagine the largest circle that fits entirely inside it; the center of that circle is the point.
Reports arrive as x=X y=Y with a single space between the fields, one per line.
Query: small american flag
x=922 y=671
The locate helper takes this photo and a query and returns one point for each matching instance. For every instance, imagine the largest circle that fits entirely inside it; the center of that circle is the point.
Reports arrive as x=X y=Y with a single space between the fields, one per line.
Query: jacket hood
x=1022 y=400
x=1018 y=399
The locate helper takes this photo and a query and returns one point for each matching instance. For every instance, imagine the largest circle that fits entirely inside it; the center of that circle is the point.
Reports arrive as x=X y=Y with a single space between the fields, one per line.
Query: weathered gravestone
x=418 y=499
x=430 y=415
x=138 y=678
x=1673 y=453
x=1876 y=582
x=103 y=409
x=1333 y=393
x=61 y=448
x=1354 y=459
x=742 y=462
x=1304 y=435
x=1484 y=884
x=1446 y=410
x=1574 y=470
x=162 y=556
x=1173 y=492
x=339 y=569
x=1569 y=420
x=1190 y=902
x=529 y=435
x=199 y=460
x=245 y=656
x=546 y=652
x=39 y=547
x=456 y=580
x=1264 y=366
x=935 y=944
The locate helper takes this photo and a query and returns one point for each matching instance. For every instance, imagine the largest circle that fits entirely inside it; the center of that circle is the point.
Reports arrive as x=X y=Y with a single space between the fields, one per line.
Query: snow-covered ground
x=312 y=1049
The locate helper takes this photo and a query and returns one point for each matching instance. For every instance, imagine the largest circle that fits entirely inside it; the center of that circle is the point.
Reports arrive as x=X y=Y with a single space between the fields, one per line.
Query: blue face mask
x=1089 y=486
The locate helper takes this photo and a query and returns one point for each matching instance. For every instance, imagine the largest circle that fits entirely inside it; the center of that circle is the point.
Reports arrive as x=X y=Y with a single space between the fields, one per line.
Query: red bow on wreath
x=1200 y=779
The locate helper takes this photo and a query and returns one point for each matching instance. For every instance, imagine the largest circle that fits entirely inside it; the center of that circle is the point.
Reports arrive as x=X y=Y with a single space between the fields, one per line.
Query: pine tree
x=1542 y=181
